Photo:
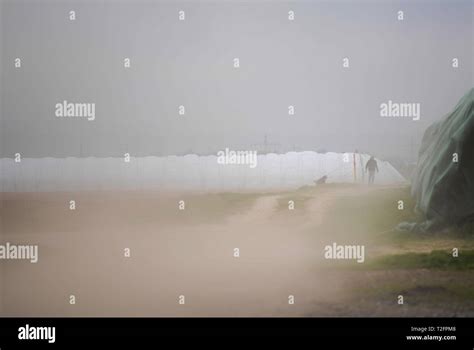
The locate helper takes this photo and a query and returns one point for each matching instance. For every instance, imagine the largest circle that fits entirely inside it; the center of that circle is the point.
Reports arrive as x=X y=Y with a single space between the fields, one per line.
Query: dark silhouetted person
x=371 y=166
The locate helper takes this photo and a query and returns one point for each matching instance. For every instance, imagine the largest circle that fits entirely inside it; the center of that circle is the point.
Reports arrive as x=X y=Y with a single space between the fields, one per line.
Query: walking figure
x=371 y=166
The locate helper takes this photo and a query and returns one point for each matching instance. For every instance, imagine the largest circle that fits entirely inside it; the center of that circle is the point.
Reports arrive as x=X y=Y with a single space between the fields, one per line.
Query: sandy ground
x=173 y=253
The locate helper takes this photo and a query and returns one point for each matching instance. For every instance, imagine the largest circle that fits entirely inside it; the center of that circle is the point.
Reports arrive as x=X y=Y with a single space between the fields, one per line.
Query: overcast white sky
x=190 y=63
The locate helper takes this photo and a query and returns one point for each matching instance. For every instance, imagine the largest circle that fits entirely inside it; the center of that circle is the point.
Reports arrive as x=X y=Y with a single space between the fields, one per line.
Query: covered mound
x=443 y=183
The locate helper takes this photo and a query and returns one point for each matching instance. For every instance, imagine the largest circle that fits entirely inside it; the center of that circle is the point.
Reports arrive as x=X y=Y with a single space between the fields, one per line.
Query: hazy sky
x=190 y=63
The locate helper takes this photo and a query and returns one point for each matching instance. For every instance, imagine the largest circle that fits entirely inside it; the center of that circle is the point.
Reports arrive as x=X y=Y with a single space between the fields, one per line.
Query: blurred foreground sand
x=176 y=253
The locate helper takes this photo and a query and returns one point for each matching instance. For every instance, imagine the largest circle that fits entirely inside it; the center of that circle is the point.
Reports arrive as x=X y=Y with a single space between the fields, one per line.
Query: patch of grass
x=437 y=259
x=380 y=209
x=372 y=214
x=444 y=291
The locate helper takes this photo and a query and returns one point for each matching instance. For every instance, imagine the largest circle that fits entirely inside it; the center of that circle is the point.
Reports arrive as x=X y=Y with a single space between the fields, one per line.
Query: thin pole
x=354 y=166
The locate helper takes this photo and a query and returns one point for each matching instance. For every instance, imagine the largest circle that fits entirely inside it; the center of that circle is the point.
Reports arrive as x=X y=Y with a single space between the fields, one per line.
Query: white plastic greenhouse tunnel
x=190 y=172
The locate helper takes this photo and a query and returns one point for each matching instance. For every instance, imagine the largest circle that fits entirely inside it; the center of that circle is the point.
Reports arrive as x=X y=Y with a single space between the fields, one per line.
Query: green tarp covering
x=443 y=182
